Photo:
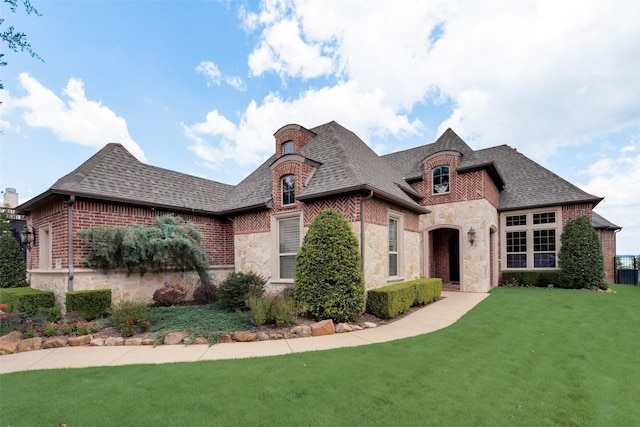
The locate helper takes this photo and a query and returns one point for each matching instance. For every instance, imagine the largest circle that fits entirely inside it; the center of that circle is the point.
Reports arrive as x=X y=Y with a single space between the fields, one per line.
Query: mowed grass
x=523 y=357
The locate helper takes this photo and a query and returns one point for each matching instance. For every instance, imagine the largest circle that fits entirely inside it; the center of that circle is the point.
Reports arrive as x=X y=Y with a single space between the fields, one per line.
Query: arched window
x=440 y=177
x=287 y=147
x=288 y=190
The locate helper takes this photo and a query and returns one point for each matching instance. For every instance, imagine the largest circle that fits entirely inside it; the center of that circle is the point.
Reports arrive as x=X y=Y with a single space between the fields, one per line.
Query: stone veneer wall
x=123 y=286
x=475 y=261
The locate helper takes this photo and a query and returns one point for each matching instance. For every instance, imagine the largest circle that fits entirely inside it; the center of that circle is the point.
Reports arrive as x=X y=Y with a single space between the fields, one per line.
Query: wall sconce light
x=28 y=236
x=472 y=235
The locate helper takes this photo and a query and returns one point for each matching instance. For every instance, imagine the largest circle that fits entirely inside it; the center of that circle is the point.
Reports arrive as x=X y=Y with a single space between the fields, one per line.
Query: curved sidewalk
x=432 y=317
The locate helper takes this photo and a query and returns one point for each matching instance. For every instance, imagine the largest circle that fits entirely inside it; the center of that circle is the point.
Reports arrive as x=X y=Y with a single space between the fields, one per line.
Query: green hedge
x=390 y=301
x=541 y=279
x=27 y=300
x=93 y=303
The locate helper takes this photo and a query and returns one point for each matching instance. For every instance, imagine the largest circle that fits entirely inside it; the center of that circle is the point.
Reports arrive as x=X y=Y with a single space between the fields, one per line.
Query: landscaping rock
x=9 y=343
x=225 y=339
x=133 y=341
x=97 y=342
x=343 y=327
x=356 y=327
x=30 y=344
x=263 y=336
x=323 y=327
x=173 y=338
x=114 y=341
x=148 y=341
x=276 y=336
x=79 y=341
x=370 y=325
x=200 y=340
x=244 y=336
x=290 y=336
x=57 y=342
x=301 y=330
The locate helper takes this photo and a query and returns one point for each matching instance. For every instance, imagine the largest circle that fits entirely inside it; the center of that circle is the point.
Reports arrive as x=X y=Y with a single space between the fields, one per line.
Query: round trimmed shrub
x=239 y=286
x=206 y=293
x=13 y=269
x=580 y=257
x=328 y=280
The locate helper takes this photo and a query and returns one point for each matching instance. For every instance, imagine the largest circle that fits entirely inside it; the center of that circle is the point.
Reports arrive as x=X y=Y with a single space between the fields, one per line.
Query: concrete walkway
x=432 y=317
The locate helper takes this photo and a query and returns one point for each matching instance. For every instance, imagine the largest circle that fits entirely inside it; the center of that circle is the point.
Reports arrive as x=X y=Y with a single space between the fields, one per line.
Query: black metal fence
x=628 y=269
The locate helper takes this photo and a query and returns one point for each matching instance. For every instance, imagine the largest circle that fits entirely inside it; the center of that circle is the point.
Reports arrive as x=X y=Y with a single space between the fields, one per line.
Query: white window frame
x=433 y=184
x=529 y=228
x=275 y=244
x=399 y=252
x=282 y=180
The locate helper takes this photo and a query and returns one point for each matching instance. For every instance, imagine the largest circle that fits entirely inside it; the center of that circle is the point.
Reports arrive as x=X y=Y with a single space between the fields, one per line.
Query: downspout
x=72 y=200
x=362 y=200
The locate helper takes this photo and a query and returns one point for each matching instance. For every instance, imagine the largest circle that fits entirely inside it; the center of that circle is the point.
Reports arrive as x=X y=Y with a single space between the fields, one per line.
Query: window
x=287 y=148
x=514 y=220
x=440 y=179
x=532 y=239
x=544 y=218
x=288 y=190
x=288 y=245
x=517 y=249
x=544 y=248
x=393 y=247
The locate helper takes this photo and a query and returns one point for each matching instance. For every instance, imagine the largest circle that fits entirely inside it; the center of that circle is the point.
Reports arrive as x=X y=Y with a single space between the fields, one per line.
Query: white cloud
x=74 y=119
x=211 y=71
x=217 y=139
x=524 y=73
x=618 y=176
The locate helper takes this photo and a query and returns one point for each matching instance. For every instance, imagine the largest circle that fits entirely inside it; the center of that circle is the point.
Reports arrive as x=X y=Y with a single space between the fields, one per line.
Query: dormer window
x=440 y=177
x=288 y=190
x=287 y=148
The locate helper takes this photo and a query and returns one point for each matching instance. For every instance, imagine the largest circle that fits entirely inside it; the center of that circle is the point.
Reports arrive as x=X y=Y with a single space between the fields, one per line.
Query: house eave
x=592 y=201
x=364 y=188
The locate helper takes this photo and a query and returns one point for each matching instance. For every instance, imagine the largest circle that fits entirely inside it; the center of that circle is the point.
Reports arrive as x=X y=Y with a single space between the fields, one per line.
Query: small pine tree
x=328 y=278
x=13 y=269
x=580 y=257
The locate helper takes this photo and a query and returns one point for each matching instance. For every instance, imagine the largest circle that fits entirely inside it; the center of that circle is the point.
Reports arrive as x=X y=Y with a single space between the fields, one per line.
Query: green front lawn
x=523 y=357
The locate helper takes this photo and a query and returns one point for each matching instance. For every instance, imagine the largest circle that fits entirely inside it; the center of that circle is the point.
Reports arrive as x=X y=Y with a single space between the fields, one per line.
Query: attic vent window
x=440 y=177
x=287 y=148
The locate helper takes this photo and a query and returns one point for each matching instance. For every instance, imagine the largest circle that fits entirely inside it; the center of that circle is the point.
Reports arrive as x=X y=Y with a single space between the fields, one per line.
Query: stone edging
x=13 y=342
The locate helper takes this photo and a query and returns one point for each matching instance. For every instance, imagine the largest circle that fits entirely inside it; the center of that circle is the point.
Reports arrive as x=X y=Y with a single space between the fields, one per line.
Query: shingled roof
x=599 y=222
x=114 y=174
x=344 y=164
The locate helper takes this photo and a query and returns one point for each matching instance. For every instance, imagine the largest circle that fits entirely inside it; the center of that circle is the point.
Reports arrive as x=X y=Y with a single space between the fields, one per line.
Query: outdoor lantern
x=472 y=235
x=28 y=237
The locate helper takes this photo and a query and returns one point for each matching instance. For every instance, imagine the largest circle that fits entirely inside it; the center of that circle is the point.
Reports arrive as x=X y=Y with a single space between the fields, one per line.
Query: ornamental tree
x=580 y=257
x=328 y=280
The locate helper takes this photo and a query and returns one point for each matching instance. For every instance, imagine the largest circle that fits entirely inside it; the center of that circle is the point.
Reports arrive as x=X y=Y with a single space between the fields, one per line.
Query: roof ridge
x=85 y=168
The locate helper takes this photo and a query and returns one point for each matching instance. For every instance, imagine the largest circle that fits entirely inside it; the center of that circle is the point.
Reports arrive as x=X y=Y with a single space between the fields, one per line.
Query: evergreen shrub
x=540 y=279
x=13 y=269
x=389 y=301
x=328 y=277
x=94 y=304
x=580 y=257
x=238 y=286
x=27 y=300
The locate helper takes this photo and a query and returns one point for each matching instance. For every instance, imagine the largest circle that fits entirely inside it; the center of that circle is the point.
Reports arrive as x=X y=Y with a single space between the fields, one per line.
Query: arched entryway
x=444 y=257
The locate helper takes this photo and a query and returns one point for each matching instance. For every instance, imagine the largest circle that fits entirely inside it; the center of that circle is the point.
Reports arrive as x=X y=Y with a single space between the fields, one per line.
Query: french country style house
x=439 y=210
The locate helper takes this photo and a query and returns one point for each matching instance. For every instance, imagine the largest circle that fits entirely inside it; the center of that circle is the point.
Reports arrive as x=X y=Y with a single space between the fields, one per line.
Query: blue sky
x=201 y=86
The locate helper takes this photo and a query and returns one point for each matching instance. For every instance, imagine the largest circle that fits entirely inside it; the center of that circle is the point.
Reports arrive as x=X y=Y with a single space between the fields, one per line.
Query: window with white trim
x=288 y=190
x=440 y=178
x=287 y=147
x=288 y=246
x=531 y=239
x=393 y=247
